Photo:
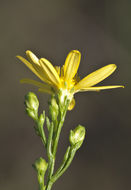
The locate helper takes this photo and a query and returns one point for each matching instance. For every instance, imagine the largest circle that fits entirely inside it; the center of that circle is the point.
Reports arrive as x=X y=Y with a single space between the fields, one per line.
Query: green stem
x=67 y=164
x=49 y=185
x=49 y=153
x=66 y=156
x=41 y=181
x=39 y=129
x=51 y=157
x=62 y=115
x=41 y=132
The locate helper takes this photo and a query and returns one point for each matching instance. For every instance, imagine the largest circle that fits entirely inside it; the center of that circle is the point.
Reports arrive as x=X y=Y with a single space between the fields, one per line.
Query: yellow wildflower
x=66 y=78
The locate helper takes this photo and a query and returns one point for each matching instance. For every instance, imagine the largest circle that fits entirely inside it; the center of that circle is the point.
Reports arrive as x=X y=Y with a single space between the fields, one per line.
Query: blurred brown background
x=101 y=30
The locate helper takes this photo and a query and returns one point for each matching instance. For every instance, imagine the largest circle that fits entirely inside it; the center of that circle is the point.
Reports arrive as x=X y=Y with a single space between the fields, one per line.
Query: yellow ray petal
x=71 y=64
x=32 y=57
x=57 y=68
x=35 y=63
x=47 y=88
x=62 y=71
x=34 y=70
x=98 y=88
x=95 y=77
x=44 y=90
x=42 y=73
x=72 y=104
x=50 y=71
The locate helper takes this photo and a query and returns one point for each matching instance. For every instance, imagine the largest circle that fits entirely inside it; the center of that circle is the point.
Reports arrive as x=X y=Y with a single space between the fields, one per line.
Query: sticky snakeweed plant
x=61 y=84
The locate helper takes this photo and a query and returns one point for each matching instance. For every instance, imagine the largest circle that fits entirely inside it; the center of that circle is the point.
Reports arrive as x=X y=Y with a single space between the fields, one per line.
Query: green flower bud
x=40 y=165
x=32 y=104
x=42 y=118
x=77 y=136
x=53 y=109
x=31 y=101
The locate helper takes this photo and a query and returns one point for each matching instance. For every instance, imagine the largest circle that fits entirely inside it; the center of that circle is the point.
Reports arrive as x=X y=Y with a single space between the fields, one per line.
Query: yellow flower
x=66 y=78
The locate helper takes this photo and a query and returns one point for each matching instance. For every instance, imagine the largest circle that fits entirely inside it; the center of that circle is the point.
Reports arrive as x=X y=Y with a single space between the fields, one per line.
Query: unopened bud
x=32 y=104
x=53 y=109
x=77 y=136
x=40 y=165
x=42 y=118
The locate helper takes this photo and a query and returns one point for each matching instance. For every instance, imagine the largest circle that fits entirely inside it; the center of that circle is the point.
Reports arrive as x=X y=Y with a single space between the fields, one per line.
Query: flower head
x=66 y=78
